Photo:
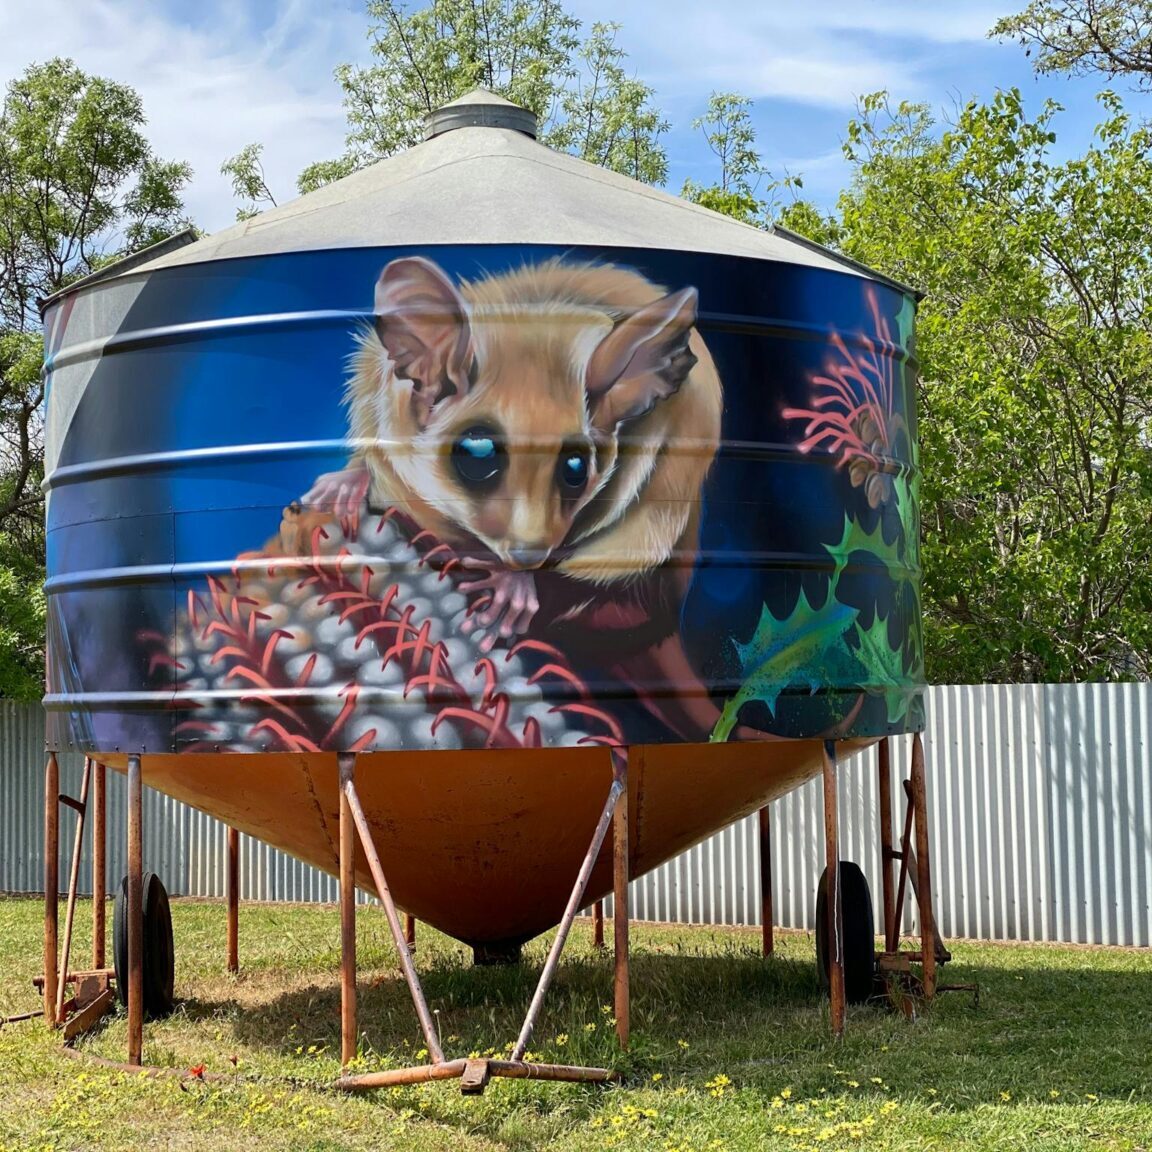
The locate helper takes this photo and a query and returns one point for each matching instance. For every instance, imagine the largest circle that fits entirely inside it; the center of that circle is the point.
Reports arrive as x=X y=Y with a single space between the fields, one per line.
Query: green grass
x=730 y=1051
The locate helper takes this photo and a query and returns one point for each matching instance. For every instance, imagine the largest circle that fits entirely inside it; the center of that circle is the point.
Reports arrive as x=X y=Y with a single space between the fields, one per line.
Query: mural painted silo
x=477 y=463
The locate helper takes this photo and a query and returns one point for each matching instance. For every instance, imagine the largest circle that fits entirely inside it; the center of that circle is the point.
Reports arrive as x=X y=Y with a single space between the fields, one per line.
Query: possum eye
x=572 y=470
x=479 y=458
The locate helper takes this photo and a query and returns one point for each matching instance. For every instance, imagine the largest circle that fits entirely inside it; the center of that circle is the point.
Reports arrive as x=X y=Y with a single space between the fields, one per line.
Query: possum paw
x=342 y=492
x=511 y=603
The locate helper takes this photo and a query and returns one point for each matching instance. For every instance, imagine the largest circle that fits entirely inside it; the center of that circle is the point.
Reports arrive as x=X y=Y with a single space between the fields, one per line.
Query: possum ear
x=642 y=360
x=422 y=322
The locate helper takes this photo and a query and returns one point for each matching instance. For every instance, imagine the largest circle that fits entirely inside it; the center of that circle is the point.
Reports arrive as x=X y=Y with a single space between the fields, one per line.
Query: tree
x=728 y=128
x=1035 y=357
x=528 y=51
x=248 y=180
x=1036 y=378
x=79 y=185
x=1113 y=37
x=747 y=191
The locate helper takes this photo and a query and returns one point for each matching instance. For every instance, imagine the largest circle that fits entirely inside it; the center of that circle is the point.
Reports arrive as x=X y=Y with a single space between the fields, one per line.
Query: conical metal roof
x=482 y=178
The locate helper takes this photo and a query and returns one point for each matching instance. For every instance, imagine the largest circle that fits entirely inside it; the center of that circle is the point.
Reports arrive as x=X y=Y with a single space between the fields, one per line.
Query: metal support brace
x=233 y=893
x=835 y=911
x=347 y=764
x=915 y=869
x=99 y=864
x=475 y=1074
x=767 y=915
x=135 y=912
x=622 y=984
x=73 y=884
x=51 y=885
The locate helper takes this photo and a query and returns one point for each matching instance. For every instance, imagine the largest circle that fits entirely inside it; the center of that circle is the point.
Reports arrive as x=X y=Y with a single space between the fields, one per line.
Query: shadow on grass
x=1037 y=1029
x=481 y=1008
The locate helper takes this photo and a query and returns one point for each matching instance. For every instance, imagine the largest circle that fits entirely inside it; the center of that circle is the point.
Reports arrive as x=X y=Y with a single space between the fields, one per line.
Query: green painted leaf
x=807 y=647
x=855 y=539
x=885 y=667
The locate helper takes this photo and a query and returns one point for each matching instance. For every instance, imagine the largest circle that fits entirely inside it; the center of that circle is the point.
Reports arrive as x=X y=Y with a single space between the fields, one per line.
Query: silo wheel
x=158 y=950
x=859 y=942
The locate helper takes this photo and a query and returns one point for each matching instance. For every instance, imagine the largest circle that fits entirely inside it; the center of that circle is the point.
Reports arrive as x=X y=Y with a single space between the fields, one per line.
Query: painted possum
x=554 y=424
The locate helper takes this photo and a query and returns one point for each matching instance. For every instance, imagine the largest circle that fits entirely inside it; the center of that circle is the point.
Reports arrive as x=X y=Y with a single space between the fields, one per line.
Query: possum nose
x=527 y=557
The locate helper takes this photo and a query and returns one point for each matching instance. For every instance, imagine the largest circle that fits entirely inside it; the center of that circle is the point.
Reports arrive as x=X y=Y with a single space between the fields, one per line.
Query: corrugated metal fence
x=1040 y=798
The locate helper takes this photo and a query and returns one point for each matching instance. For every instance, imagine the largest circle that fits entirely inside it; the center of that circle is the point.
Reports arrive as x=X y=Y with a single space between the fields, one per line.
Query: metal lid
x=479 y=186
x=481 y=109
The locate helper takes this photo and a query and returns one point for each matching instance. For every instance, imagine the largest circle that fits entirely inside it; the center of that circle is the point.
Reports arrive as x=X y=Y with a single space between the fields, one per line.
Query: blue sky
x=221 y=73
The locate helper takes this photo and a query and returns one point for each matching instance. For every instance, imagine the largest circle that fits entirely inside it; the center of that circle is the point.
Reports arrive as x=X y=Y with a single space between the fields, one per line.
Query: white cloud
x=822 y=77
x=237 y=71
x=824 y=53
x=209 y=88
x=941 y=23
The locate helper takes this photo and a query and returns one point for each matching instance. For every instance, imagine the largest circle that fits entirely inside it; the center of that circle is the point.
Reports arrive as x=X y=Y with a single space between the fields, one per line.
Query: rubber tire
x=158 y=948
x=859 y=942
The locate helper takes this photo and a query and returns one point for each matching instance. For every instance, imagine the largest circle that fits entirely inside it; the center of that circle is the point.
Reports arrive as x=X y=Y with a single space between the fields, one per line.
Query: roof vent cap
x=481 y=109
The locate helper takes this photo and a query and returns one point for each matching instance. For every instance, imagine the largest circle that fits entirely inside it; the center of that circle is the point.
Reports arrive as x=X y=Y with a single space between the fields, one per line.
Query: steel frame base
x=895 y=964
x=474 y=1074
x=92 y=989
x=892 y=963
x=93 y=994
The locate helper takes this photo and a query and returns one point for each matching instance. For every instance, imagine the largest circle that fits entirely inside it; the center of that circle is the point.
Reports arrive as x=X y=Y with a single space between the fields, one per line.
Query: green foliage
x=607 y=117
x=1113 y=37
x=77 y=179
x=247 y=173
x=804 y=218
x=528 y=51
x=742 y=206
x=79 y=186
x=1035 y=357
x=746 y=190
x=727 y=126
x=22 y=616
x=322 y=172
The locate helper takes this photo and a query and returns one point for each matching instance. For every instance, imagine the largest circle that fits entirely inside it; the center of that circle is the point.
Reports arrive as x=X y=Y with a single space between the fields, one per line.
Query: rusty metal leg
x=835 y=912
x=887 y=855
x=410 y=931
x=348 y=1024
x=611 y=805
x=766 y=912
x=233 y=893
x=598 y=924
x=923 y=867
x=73 y=883
x=620 y=877
x=904 y=856
x=135 y=912
x=51 y=884
x=99 y=864
x=347 y=763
